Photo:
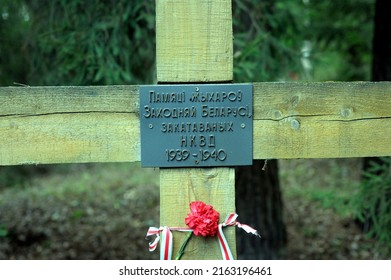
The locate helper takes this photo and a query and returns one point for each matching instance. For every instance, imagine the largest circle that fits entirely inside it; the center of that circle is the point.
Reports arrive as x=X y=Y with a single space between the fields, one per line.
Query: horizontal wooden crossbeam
x=101 y=123
x=322 y=120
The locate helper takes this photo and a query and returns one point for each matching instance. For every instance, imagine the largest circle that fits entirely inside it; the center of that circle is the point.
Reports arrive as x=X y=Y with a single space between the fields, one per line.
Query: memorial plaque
x=196 y=125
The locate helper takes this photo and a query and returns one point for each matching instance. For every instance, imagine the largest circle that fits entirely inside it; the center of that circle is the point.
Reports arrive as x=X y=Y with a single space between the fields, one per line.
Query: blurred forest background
x=102 y=211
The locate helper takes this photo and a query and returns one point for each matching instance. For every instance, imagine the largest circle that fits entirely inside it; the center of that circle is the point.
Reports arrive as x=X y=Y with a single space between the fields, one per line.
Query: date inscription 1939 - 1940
x=201 y=125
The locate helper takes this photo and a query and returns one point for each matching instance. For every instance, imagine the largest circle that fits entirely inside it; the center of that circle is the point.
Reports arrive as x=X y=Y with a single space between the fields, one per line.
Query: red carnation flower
x=203 y=219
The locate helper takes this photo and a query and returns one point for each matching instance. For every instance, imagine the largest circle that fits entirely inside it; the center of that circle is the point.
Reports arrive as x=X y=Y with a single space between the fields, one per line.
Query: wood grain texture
x=194 y=44
x=101 y=124
x=322 y=120
x=69 y=124
x=194 y=41
x=179 y=187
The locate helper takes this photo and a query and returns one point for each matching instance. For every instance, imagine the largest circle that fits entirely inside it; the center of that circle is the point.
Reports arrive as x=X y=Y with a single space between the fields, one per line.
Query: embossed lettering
x=203 y=97
x=212 y=141
x=194 y=140
x=196 y=125
x=220 y=112
x=183 y=141
x=166 y=97
x=186 y=127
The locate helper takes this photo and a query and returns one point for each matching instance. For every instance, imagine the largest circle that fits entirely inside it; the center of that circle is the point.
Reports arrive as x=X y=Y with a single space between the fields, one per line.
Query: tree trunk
x=381 y=66
x=258 y=194
x=381 y=69
x=259 y=204
x=381 y=63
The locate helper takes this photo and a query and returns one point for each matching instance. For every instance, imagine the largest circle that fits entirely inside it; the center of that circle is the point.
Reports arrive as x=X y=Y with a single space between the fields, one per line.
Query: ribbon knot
x=166 y=244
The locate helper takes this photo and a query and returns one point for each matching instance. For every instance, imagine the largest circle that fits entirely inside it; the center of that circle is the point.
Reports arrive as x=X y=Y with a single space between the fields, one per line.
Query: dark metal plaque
x=201 y=125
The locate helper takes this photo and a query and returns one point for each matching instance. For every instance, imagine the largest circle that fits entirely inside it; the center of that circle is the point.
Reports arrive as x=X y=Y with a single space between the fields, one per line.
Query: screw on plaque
x=242 y=125
x=150 y=125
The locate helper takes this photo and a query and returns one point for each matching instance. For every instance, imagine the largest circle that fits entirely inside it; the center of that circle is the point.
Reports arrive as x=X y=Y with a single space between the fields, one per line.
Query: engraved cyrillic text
x=196 y=125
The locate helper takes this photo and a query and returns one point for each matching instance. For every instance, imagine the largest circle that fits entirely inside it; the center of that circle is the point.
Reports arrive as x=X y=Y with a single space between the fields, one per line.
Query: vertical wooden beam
x=194 y=41
x=194 y=44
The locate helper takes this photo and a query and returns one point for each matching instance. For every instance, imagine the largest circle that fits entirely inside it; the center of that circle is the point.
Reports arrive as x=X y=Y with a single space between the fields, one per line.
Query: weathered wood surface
x=194 y=44
x=179 y=187
x=322 y=120
x=194 y=41
x=68 y=124
x=101 y=124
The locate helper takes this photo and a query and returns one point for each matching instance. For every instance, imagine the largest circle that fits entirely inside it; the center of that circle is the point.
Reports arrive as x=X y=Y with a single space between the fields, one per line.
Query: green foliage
x=3 y=231
x=313 y=40
x=267 y=40
x=14 y=23
x=302 y=178
x=93 y=42
x=74 y=42
x=341 y=36
x=373 y=201
x=91 y=211
x=11 y=176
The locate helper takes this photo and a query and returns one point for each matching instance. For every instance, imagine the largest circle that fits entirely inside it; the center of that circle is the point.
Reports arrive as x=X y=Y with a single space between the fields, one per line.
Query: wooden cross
x=194 y=45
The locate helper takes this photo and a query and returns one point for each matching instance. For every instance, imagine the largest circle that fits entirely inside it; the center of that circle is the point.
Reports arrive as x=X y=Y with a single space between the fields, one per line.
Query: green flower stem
x=182 y=249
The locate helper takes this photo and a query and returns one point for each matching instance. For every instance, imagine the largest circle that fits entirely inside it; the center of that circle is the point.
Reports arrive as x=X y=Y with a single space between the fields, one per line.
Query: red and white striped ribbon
x=230 y=220
x=165 y=234
x=154 y=231
x=166 y=245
